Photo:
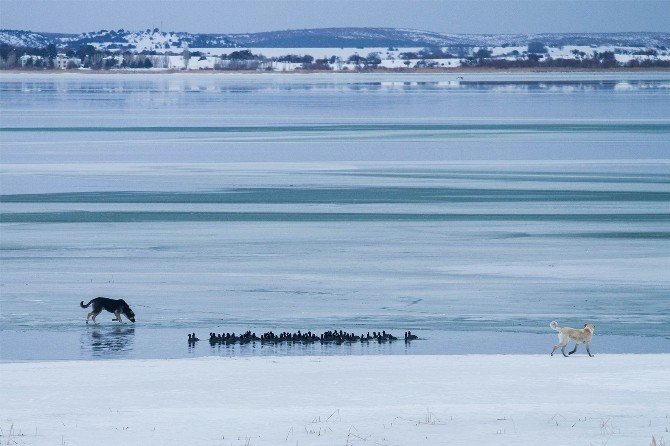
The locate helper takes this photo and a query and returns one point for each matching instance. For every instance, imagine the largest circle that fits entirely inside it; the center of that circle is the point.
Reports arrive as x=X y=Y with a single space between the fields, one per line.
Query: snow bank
x=478 y=399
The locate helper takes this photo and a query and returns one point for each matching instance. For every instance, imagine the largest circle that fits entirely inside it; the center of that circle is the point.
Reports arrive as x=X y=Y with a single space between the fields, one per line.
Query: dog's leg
x=563 y=351
x=118 y=316
x=554 y=349
x=588 y=351
x=573 y=350
x=94 y=316
x=89 y=315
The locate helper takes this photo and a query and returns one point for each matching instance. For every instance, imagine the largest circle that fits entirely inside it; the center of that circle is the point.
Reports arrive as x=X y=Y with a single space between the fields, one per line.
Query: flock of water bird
x=330 y=336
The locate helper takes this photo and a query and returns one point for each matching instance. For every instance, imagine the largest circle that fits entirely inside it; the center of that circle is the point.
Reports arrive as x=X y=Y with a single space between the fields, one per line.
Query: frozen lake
x=471 y=211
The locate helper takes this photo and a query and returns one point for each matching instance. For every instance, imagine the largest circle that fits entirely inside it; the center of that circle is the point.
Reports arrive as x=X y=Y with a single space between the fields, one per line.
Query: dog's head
x=590 y=327
x=129 y=313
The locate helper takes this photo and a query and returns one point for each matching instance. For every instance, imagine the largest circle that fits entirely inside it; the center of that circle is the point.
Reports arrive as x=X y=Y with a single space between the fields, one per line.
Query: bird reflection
x=114 y=340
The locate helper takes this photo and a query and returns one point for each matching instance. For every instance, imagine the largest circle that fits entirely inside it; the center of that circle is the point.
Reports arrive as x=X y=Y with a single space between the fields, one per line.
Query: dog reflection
x=117 y=339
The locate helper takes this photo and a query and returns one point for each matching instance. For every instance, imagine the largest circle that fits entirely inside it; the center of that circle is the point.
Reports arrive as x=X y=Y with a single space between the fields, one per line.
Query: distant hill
x=161 y=41
x=380 y=37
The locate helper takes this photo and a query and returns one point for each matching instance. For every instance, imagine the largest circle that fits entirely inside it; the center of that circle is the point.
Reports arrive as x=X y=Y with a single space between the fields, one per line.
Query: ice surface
x=505 y=224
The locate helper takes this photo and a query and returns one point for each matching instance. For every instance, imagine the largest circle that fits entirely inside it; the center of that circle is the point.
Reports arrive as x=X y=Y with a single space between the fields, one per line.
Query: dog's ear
x=585 y=325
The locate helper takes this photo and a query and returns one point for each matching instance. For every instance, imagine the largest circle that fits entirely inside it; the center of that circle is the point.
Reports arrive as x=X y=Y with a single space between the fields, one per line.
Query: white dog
x=566 y=334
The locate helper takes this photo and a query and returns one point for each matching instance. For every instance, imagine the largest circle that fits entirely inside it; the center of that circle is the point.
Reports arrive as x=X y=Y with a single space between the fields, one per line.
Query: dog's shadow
x=104 y=340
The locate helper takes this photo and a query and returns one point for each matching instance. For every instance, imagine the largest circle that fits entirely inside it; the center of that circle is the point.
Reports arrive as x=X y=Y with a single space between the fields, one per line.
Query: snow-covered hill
x=162 y=41
x=28 y=38
x=149 y=40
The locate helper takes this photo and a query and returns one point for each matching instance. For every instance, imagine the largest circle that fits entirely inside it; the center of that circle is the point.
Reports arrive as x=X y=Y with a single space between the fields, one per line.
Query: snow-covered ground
x=362 y=400
x=210 y=58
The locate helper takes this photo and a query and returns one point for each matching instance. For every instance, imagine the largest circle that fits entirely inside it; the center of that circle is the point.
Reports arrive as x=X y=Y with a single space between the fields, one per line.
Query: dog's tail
x=555 y=326
x=85 y=306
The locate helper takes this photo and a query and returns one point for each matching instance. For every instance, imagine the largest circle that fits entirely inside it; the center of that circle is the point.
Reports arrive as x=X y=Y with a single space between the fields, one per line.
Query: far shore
x=456 y=70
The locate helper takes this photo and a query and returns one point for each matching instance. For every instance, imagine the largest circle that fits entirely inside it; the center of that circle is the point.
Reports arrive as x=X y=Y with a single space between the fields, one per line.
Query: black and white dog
x=116 y=306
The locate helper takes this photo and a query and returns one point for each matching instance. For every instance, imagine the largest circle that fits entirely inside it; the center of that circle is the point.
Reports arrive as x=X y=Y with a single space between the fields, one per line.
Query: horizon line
x=339 y=27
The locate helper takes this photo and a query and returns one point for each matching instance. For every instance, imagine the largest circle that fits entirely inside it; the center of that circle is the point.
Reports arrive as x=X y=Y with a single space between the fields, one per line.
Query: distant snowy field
x=364 y=400
x=390 y=57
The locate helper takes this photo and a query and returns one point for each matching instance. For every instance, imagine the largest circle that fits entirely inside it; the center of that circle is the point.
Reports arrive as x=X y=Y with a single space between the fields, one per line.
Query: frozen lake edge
x=471 y=399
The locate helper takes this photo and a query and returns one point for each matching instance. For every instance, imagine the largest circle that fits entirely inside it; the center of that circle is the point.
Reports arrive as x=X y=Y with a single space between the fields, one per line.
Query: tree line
x=602 y=60
x=536 y=56
x=90 y=57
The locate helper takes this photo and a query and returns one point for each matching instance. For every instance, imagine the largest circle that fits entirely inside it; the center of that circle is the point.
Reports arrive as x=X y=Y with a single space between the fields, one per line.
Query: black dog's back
x=105 y=303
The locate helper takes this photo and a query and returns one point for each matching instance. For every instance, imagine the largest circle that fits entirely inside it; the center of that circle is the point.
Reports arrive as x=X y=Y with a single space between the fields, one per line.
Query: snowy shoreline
x=473 y=399
x=381 y=71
